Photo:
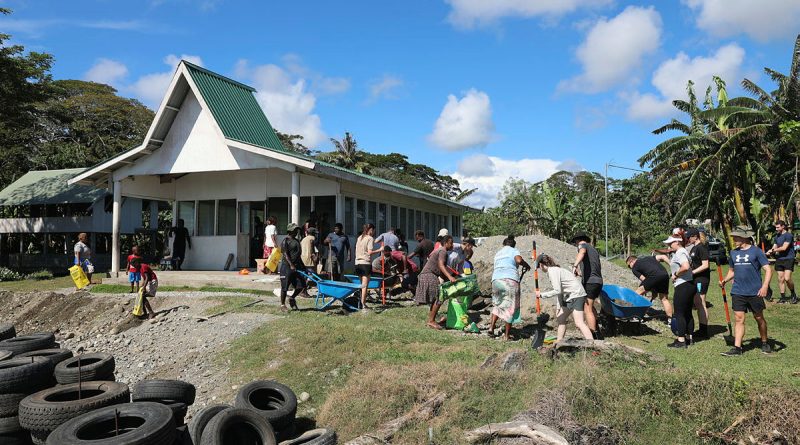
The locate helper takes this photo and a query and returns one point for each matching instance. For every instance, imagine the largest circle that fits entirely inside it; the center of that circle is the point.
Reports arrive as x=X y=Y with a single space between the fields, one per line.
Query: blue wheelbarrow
x=374 y=283
x=620 y=304
x=329 y=291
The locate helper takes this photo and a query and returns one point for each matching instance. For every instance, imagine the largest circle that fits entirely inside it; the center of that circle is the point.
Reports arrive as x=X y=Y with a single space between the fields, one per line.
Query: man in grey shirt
x=389 y=239
x=587 y=266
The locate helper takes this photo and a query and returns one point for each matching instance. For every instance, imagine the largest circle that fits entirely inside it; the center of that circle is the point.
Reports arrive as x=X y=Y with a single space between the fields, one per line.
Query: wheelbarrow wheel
x=609 y=325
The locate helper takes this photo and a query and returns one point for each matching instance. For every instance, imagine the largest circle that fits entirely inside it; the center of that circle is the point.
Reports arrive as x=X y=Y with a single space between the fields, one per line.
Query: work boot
x=783 y=300
x=677 y=344
x=735 y=351
x=794 y=299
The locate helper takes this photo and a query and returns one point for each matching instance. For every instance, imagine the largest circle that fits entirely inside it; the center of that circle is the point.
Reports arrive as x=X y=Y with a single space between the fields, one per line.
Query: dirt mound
x=563 y=253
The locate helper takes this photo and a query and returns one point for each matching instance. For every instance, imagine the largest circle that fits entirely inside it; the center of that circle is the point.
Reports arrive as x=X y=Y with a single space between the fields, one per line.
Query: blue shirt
x=505 y=266
x=338 y=244
x=785 y=237
x=747 y=266
x=389 y=239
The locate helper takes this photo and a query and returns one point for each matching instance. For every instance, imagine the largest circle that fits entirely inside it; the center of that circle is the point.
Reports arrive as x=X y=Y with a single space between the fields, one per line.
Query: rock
x=69 y=336
x=514 y=361
x=304 y=397
x=489 y=362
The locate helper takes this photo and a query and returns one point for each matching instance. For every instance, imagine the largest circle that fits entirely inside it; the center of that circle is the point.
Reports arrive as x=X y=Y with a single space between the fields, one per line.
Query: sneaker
x=794 y=299
x=768 y=298
x=766 y=348
x=733 y=352
x=783 y=301
x=677 y=344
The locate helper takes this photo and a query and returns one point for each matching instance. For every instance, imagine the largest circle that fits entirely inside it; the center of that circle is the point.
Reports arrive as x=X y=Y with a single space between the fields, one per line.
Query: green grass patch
x=36 y=285
x=124 y=289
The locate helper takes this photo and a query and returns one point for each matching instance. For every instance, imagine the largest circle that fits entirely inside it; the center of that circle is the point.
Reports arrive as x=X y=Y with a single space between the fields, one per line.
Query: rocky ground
x=178 y=344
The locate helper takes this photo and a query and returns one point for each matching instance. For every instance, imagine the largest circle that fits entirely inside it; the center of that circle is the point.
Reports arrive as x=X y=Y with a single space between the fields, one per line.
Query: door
x=250 y=237
x=243 y=236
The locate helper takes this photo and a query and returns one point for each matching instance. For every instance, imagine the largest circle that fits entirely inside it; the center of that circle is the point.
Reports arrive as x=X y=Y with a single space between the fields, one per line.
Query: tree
x=346 y=154
x=292 y=142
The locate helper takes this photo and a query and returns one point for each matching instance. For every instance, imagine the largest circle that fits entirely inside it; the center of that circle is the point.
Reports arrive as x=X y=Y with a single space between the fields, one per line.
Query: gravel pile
x=563 y=253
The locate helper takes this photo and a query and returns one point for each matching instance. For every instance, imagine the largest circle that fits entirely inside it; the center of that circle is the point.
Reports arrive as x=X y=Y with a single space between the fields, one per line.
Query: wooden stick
x=418 y=414
x=540 y=433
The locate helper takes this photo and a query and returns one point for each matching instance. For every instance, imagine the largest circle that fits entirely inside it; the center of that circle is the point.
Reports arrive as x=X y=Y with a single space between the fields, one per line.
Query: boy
x=149 y=285
x=134 y=274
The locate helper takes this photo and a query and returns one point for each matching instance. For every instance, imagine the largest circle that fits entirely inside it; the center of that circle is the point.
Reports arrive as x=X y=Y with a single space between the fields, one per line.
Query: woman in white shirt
x=570 y=293
x=680 y=264
x=270 y=239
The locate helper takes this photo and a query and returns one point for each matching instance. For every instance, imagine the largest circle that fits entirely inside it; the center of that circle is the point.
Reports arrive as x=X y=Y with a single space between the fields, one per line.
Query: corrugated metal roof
x=49 y=187
x=235 y=108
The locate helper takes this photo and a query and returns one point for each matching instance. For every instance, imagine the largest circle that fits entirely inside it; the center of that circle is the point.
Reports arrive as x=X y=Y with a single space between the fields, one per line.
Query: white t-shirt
x=268 y=233
x=681 y=256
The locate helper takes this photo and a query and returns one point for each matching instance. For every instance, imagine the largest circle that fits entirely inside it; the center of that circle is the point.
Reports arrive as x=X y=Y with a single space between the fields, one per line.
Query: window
x=381 y=225
x=305 y=209
x=226 y=217
x=361 y=215
x=402 y=223
x=205 y=218
x=279 y=208
x=396 y=219
x=349 y=215
x=186 y=213
x=457 y=225
x=420 y=224
x=372 y=210
x=427 y=224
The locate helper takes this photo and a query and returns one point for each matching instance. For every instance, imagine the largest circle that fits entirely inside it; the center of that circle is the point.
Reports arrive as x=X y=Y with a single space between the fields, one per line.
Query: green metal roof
x=235 y=108
x=49 y=187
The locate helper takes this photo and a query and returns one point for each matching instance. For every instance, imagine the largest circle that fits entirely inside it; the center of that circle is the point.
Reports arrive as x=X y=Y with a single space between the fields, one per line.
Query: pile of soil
x=561 y=252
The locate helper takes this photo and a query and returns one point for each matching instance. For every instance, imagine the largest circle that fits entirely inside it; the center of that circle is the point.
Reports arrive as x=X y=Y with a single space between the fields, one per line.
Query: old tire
x=239 y=426
x=155 y=390
x=141 y=423
x=7 y=331
x=182 y=436
x=24 y=375
x=54 y=355
x=5 y=355
x=18 y=438
x=26 y=343
x=45 y=410
x=94 y=367
x=319 y=436
x=274 y=401
x=9 y=425
x=179 y=410
x=9 y=404
x=201 y=419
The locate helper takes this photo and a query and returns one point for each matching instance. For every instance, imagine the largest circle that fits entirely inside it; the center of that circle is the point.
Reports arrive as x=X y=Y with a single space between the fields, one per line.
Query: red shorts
x=267 y=252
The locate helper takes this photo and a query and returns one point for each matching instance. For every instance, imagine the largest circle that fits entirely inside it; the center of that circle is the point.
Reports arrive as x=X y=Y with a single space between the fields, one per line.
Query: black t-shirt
x=291 y=248
x=648 y=266
x=699 y=254
x=423 y=251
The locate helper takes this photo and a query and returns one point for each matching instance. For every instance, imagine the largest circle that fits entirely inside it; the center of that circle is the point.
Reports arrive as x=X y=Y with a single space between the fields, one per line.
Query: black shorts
x=592 y=290
x=363 y=270
x=290 y=277
x=784 y=264
x=753 y=304
x=701 y=284
x=658 y=284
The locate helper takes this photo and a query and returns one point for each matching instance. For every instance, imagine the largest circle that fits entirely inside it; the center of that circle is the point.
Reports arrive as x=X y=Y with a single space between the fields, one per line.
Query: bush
x=7 y=274
x=40 y=275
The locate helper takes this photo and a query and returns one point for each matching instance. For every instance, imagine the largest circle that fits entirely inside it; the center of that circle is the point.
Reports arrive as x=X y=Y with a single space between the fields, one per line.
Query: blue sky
x=483 y=90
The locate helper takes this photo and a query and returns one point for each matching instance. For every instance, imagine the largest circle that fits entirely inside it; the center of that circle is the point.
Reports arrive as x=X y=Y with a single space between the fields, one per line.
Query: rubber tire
x=9 y=404
x=319 y=436
x=101 y=367
x=179 y=410
x=38 y=412
x=9 y=425
x=230 y=420
x=7 y=331
x=18 y=438
x=4 y=355
x=183 y=437
x=39 y=437
x=201 y=419
x=24 y=375
x=26 y=343
x=274 y=401
x=176 y=390
x=158 y=427
x=54 y=355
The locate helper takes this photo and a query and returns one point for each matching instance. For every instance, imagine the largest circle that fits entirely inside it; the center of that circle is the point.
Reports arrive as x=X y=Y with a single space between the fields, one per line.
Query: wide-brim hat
x=580 y=236
x=743 y=234
x=291 y=227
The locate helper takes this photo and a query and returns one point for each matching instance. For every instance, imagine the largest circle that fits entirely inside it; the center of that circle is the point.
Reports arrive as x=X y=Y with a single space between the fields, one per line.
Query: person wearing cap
x=428 y=284
x=680 y=264
x=364 y=251
x=442 y=233
x=652 y=278
x=587 y=266
x=784 y=252
x=748 y=291
x=571 y=297
x=291 y=265
x=698 y=252
x=505 y=285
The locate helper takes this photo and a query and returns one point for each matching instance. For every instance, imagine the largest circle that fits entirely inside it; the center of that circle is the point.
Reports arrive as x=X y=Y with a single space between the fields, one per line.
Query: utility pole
x=606 y=193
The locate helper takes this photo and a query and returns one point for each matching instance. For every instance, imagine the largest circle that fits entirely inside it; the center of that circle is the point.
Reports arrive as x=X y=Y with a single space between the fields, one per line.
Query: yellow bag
x=138 y=308
x=78 y=277
x=274 y=259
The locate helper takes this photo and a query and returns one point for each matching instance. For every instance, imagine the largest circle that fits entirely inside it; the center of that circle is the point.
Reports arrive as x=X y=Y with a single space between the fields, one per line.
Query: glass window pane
x=325 y=206
x=186 y=213
x=372 y=210
x=226 y=217
x=381 y=226
x=279 y=208
x=395 y=217
x=361 y=215
x=205 y=218
x=349 y=215
x=402 y=223
x=420 y=224
x=244 y=217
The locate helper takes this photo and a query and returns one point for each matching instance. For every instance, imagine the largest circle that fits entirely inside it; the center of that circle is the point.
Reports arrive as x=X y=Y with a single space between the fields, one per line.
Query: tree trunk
x=629 y=246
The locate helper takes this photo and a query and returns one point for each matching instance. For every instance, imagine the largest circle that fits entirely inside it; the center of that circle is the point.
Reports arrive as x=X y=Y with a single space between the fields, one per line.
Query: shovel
x=537 y=338
x=728 y=338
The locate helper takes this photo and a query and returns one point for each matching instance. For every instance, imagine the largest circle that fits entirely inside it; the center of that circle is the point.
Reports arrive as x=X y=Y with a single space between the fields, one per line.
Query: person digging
x=149 y=285
x=652 y=278
x=748 y=291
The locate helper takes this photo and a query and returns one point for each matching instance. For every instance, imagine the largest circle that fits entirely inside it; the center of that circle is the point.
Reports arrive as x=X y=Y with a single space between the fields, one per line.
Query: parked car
x=716 y=251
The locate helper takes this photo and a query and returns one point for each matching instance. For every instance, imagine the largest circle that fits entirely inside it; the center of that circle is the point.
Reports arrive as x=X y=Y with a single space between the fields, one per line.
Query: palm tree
x=346 y=154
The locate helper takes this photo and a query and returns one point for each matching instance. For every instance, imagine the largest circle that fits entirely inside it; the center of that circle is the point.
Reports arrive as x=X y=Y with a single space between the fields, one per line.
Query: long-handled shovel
x=536 y=279
x=728 y=338
x=537 y=338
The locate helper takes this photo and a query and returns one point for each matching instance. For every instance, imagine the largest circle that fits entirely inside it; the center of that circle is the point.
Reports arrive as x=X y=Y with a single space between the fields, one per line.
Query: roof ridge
x=217 y=75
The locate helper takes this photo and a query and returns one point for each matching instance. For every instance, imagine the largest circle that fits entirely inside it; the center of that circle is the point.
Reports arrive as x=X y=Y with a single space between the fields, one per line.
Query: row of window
x=358 y=212
x=209 y=217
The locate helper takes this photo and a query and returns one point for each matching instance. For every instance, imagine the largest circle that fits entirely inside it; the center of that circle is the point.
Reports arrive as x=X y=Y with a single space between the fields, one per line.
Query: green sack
x=457 y=317
x=466 y=286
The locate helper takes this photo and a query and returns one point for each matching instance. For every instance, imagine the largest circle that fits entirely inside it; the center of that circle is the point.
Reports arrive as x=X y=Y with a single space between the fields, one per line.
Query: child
x=149 y=285
x=134 y=274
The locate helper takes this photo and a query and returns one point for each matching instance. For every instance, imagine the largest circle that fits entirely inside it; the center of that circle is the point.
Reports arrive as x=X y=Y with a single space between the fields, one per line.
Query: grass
x=124 y=289
x=38 y=285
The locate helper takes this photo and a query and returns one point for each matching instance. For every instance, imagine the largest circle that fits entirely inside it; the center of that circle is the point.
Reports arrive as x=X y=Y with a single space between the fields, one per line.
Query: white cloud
x=464 y=123
x=671 y=76
x=384 y=88
x=762 y=20
x=107 y=71
x=150 y=88
x=614 y=49
x=286 y=100
x=489 y=173
x=472 y=13
x=36 y=28
x=317 y=83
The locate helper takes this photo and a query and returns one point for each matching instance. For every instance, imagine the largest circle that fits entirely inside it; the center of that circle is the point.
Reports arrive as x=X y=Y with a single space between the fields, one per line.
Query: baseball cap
x=443 y=232
x=692 y=232
x=292 y=227
x=672 y=239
